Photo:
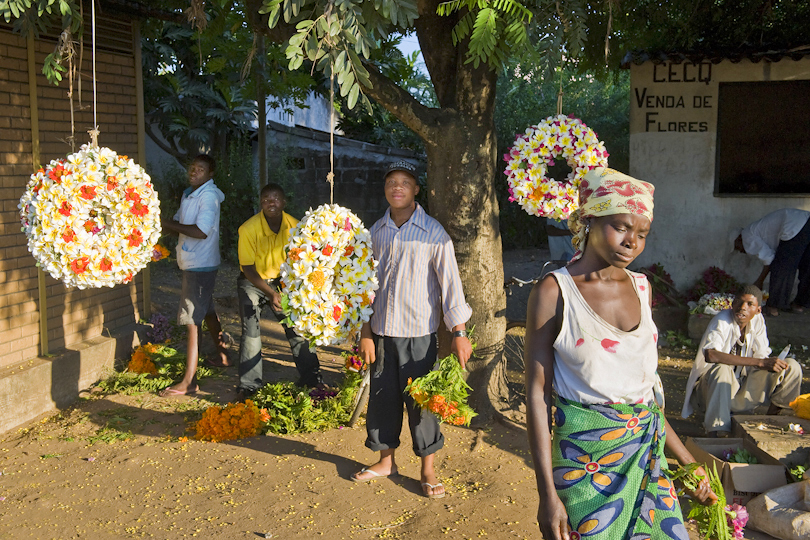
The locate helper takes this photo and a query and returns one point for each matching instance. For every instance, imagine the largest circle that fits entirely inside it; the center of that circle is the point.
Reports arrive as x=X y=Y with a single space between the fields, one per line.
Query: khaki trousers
x=719 y=394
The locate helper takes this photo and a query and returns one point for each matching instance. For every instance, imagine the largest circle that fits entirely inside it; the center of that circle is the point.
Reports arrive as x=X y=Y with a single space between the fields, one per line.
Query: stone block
x=771 y=434
x=40 y=385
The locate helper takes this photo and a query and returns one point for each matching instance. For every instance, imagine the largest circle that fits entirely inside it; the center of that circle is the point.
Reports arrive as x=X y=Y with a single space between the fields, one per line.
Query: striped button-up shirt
x=418 y=276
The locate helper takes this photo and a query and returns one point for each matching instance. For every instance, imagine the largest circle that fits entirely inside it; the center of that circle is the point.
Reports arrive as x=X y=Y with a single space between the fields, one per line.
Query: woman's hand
x=552 y=518
x=703 y=494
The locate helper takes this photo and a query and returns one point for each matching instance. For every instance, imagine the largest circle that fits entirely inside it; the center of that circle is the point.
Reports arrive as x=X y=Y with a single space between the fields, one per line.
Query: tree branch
x=441 y=56
x=419 y=118
x=157 y=138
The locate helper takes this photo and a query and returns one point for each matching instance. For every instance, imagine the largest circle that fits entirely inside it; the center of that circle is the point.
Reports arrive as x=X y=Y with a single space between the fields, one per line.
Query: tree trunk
x=461 y=170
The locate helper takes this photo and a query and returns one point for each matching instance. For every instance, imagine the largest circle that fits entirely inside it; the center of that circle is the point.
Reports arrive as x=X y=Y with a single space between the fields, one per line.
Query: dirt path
x=118 y=466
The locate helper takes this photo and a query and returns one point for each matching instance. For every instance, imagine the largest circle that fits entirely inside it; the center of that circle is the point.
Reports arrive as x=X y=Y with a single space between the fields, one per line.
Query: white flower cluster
x=534 y=151
x=713 y=303
x=329 y=277
x=92 y=220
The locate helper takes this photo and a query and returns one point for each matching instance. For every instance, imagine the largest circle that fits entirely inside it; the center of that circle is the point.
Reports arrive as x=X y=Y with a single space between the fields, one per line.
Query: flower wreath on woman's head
x=92 y=219
x=329 y=277
x=534 y=151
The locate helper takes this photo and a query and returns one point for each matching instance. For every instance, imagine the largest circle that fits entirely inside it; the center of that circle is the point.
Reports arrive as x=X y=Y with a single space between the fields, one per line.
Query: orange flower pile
x=141 y=361
x=159 y=252
x=234 y=421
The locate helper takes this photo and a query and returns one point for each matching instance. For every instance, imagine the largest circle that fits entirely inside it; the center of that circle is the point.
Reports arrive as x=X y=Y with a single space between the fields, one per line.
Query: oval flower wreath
x=535 y=150
x=329 y=277
x=92 y=219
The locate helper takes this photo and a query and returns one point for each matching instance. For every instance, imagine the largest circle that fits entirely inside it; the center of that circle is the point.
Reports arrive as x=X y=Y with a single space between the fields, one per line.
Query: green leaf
x=353 y=94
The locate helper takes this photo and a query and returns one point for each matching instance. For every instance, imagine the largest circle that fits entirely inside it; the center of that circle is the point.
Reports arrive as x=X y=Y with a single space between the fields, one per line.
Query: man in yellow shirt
x=261 y=252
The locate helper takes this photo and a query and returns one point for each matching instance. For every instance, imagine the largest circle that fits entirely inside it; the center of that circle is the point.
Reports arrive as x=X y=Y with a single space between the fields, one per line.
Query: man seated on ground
x=734 y=372
x=261 y=253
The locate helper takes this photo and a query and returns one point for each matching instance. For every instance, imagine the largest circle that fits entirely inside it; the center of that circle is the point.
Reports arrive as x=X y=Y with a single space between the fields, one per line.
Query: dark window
x=763 y=138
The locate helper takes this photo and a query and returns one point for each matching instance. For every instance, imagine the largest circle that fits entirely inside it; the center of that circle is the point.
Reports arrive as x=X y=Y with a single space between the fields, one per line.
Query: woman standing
x=590 y=330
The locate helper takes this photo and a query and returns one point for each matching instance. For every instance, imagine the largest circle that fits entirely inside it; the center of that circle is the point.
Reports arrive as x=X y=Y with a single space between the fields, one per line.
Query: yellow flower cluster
x=329 y=276
x=234 y=421
x=141 y=361
x=535 y=150
x=92 y=219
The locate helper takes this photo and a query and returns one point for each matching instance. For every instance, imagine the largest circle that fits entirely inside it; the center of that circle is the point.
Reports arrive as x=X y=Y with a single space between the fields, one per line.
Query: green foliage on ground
x=293 y=410
x=171 y=365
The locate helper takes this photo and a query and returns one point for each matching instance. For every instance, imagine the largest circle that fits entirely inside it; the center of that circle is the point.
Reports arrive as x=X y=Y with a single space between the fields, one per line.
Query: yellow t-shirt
x=261 y=247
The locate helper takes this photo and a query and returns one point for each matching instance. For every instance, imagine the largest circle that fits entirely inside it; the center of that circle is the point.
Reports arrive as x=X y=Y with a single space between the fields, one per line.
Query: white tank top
x=595 y=362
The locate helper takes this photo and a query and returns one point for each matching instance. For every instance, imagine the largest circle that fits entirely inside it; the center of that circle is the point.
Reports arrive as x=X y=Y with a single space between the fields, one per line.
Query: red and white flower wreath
x=92 y=219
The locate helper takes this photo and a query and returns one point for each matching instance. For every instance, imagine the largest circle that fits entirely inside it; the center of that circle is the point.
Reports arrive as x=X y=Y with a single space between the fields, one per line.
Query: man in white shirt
x=733 y=370
x=781 y=240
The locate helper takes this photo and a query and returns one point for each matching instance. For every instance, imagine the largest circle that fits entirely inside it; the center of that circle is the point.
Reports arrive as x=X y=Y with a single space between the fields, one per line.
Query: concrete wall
x=673 y=137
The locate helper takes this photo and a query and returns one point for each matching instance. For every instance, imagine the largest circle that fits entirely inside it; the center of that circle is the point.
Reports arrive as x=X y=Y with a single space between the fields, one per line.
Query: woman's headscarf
x=606 y=192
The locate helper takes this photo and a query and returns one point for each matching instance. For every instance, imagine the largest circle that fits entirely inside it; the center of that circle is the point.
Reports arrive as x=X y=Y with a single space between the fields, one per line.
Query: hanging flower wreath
x=535 y=150
x=329 y=278
x=92 y=219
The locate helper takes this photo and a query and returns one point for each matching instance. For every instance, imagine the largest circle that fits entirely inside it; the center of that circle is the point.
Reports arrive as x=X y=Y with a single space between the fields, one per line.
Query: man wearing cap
x=419 y=284
x=781 y=240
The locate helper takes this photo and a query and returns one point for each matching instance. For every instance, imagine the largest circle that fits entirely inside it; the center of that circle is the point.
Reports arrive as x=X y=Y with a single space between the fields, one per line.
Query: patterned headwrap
x=605 y=192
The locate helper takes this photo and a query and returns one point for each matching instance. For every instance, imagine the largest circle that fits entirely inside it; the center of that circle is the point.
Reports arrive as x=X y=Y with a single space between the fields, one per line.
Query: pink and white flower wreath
x=534 y=151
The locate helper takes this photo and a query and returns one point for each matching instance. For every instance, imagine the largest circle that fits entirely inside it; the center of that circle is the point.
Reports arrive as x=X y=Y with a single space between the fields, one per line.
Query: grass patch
x=109 y=435
x=170 y=364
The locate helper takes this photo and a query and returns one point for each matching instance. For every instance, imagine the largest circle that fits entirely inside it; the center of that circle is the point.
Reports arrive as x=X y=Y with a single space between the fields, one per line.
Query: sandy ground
x=117 y=466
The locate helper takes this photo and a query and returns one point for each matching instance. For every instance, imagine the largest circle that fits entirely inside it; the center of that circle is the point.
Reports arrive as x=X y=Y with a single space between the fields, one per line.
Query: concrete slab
x=41 y=385
x=771 y=434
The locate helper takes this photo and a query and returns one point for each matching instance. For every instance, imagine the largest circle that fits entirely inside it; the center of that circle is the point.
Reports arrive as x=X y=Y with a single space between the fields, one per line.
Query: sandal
x=432 y=488
x=374 y=476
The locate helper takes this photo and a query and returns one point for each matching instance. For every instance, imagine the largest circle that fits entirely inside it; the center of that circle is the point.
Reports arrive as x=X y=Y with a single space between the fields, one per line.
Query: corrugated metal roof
x=715 y=57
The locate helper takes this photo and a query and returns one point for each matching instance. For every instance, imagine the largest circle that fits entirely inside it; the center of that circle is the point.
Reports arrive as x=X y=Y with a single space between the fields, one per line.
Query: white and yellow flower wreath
x=329 y=276
x=92 y=219
x=535 y=150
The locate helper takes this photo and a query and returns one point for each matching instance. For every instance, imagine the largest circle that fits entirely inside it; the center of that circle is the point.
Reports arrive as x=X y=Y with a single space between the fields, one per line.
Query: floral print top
x=595 y=362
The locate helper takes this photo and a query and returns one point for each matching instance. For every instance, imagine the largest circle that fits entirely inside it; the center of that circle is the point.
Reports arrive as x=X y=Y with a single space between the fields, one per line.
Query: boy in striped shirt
x=419 y=282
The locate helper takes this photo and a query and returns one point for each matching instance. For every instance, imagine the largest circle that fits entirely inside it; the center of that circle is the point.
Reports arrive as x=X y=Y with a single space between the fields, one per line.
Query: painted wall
x=673 y=136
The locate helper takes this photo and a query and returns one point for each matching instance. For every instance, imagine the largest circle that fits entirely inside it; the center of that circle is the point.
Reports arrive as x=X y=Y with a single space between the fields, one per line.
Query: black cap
x=403 y=166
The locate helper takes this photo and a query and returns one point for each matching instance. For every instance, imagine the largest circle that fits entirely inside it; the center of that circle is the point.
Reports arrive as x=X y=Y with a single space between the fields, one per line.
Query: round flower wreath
x=329 y=277
x=535 y=150
x=92 y=219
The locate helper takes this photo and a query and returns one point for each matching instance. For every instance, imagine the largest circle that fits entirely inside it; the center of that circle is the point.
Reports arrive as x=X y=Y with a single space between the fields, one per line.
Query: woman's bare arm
x=542 y=326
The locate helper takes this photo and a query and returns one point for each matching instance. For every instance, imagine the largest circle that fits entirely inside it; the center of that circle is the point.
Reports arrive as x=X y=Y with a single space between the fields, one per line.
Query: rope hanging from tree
x=94 y=132
x=330 y=177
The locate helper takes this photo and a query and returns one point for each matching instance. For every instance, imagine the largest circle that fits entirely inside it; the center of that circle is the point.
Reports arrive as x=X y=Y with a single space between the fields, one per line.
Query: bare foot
x=179 y=390
x=771 y=311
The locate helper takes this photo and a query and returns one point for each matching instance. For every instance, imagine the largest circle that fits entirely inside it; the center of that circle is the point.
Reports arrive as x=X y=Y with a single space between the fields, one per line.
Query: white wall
x=672 y=145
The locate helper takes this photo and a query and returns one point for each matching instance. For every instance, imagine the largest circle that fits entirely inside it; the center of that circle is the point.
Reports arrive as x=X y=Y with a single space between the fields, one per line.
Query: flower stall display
x=92 y=219
x=329 y=276
x=535 y=150
x=443 y=392
x=712 y=303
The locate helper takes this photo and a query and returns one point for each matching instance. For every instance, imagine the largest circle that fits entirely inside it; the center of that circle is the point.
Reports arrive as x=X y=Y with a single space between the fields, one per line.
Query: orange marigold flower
x=317 y=278
x=68 y=236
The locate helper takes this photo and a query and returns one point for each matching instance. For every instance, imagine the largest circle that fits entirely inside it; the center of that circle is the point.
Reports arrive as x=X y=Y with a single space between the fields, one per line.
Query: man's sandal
x=432 y=487
x=374 y=476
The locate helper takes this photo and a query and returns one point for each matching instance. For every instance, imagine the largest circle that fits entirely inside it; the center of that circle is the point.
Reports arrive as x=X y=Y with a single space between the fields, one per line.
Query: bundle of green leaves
x=443 y=392
x=711 y=520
